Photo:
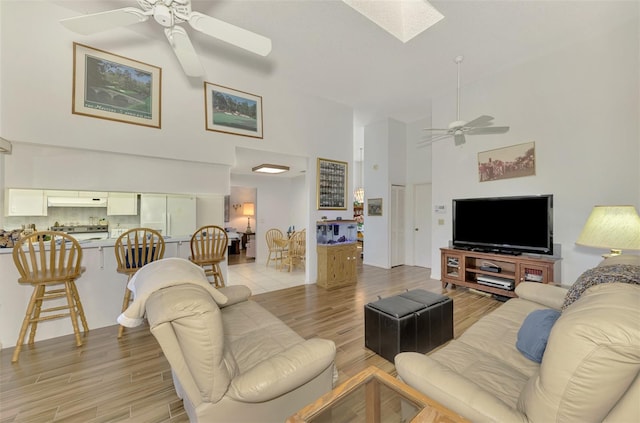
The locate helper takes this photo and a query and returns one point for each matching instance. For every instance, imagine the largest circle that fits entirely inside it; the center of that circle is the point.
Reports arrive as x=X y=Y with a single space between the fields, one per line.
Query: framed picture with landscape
x=232 y=111
x=113 y=87
x=332 y=184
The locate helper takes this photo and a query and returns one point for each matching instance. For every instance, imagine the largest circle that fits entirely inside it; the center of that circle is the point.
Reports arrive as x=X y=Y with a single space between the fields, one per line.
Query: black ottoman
x=416 y=320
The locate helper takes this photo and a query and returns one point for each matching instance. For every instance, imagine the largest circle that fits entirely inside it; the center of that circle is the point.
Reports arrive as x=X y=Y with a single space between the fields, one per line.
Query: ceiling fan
x=170 y=13
x=459 y=128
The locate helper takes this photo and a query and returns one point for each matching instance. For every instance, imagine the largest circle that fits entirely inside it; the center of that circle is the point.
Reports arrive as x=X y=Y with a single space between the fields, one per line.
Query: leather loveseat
x=231 y=360
x=589 y=371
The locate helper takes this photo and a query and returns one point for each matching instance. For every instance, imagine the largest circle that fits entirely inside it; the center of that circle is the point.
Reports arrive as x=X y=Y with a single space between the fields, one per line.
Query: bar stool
x=48 y=260
x=208 y=249
x=135 y=248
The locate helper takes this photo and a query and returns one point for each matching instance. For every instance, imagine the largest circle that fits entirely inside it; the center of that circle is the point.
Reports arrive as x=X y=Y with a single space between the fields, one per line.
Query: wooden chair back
x=271 y=236
x=209 y=243
x=298 y=244
x=137 y=247
x=47 y=256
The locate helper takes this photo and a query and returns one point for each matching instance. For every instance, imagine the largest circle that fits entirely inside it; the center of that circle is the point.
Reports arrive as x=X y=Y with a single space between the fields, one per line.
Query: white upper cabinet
x=25 y=202
x=122 y=204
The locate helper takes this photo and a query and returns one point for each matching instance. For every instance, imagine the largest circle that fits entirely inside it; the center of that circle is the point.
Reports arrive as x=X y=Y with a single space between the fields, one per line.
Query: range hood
x=76 y=202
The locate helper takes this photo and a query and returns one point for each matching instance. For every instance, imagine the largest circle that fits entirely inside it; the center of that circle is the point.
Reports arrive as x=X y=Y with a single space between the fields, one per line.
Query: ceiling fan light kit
x=459 y=128
x=170 y=13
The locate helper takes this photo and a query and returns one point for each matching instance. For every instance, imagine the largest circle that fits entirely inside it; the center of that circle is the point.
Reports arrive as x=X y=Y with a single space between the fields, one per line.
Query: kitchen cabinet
x=122 y=204
x=173 y=215
x=25 y=202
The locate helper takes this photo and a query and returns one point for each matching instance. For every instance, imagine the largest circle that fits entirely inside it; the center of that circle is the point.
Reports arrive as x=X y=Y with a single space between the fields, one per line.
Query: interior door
x=422 y=225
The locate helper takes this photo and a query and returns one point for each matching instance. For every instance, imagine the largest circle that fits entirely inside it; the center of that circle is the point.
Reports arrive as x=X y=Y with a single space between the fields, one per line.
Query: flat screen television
x=507 y=225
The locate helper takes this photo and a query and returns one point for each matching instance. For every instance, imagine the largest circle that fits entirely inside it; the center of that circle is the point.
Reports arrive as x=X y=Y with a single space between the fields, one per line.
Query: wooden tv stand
x=462 y=267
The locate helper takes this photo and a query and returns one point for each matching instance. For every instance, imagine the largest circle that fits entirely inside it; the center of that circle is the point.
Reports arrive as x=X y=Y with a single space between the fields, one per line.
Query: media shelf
x=461 y=267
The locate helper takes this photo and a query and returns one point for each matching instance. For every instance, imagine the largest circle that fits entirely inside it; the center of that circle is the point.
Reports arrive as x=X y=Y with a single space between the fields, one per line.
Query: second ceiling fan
x=170 y=13
x=459 y=128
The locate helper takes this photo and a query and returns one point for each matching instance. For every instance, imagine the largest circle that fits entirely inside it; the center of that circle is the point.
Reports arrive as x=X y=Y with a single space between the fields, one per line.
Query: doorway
x=241 y=225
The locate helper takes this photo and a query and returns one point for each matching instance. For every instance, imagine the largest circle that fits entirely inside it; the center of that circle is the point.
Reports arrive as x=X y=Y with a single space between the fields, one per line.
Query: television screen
x=504 y=224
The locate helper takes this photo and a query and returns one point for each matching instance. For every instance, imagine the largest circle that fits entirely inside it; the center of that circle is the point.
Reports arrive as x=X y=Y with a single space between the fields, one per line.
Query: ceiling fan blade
x=435 y=129
x=184 y=51
x=480 y=121
x=231 y=34
x=97 y=22
x=488 y=130
x=459 y=139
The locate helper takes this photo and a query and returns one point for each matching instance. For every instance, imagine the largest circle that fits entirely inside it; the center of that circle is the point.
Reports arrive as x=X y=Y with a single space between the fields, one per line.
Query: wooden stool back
x=208 y=248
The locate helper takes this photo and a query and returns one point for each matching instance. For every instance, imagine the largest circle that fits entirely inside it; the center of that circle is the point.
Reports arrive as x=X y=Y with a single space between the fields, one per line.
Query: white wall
x=418 y=169
x=580 y=107
x=376 y=185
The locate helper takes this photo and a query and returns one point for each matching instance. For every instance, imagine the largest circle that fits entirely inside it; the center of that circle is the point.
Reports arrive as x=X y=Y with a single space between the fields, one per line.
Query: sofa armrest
x=453 y=390
x=546 y=294
x=283 y=372
x=235 y=294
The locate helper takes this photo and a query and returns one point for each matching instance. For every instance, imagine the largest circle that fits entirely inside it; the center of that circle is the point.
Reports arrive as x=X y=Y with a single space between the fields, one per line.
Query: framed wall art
x=113 y=87
x=332 y=184
x=232 y=111
x=374 y=206
x=507 y=162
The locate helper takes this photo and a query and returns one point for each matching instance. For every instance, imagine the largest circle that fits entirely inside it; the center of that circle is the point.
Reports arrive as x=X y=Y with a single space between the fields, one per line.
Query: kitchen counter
x=110 y=242
x=101 y=290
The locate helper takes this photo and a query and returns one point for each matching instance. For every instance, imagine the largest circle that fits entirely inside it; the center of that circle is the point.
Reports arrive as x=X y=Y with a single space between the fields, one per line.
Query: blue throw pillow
x=534 y=332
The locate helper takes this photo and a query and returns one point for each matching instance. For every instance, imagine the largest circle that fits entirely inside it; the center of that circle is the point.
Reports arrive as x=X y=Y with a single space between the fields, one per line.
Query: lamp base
x=248 y=230
x=614 y=252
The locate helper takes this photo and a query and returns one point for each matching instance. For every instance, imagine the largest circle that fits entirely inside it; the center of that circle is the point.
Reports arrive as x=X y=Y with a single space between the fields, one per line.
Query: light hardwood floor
x=129 y=380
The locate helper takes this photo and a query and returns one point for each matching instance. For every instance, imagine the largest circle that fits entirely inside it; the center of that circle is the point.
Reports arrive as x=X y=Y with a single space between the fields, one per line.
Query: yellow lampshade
x=248 y=209
x=614 y=227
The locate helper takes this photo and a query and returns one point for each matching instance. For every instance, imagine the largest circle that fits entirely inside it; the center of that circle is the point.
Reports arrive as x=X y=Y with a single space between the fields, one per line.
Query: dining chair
x=50 y=261
x=135 y=248
x=296 y=252
x=276 y=242
x=209 y=248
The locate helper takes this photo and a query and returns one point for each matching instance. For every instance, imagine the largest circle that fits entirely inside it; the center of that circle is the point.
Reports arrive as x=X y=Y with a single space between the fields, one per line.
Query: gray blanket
x=618 y=273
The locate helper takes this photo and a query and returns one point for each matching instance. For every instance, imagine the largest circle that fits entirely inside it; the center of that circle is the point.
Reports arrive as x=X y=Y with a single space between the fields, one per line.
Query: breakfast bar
x=100 y=288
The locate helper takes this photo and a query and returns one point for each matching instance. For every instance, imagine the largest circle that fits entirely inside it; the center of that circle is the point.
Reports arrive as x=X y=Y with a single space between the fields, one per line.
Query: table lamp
x=248 y=209
x=613 y=227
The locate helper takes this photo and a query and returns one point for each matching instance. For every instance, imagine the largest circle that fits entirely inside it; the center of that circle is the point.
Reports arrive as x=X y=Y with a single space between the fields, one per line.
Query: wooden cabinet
x=25 y=202
x=469 y=268
x=122 y=204
x=337 y=264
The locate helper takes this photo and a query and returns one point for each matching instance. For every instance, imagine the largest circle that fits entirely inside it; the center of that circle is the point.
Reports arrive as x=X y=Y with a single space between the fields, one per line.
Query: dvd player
x=496 y=282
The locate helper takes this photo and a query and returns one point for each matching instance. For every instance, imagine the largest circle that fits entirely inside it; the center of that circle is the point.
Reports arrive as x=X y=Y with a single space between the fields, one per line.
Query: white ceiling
x=326 y=48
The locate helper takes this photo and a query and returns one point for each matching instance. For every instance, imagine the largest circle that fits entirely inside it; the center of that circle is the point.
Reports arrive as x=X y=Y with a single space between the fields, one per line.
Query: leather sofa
x=231 y=360
x=589 y=371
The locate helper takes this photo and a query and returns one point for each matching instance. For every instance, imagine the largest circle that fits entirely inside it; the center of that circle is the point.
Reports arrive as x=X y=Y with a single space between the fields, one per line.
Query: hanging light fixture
x=358 y=194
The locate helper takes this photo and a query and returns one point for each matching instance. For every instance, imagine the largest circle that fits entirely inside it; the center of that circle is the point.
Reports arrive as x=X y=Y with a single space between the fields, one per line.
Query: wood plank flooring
x=129 y=380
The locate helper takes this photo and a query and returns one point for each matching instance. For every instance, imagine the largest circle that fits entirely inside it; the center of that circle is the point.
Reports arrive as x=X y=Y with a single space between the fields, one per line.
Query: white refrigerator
x=172 y=215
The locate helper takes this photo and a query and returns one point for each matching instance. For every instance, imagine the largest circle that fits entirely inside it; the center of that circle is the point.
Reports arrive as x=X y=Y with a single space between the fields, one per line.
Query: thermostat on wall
x=440 y=208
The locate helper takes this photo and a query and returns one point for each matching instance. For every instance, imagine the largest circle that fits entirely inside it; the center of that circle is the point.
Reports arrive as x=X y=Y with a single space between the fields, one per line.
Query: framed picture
x=374 y=207
x=232 y=111
x=507 y=162
x=112 y=87
x=332 y=184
